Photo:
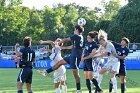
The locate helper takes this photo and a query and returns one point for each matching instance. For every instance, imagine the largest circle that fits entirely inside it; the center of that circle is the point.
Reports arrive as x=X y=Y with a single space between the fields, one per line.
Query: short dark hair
x=27 y=41
x=93 y=34
x=126 y=40
x=79 y=28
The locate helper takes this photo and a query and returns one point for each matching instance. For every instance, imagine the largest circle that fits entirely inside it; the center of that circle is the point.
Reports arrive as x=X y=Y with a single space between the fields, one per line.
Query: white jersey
x=111 y=52
x=56 y=54
x=60 y=73
x=113 y=63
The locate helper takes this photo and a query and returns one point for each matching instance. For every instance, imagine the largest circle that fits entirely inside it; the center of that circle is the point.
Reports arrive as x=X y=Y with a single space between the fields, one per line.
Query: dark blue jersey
x=78 y=43
x=121 y=51
x=89 y=46
x=28 y=56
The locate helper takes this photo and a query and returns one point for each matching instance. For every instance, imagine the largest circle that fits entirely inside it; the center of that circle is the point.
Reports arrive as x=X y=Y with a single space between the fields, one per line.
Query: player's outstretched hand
x=41 y=41
x=42 y=72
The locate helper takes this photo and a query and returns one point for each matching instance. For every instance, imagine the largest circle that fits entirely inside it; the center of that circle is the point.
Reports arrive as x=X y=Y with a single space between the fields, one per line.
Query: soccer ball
x=81 y=21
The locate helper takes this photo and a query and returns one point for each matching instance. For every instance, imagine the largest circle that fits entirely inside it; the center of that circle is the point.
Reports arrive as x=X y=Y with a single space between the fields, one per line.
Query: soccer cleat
x=98 y=91
x=43 y=72
x=78 y=91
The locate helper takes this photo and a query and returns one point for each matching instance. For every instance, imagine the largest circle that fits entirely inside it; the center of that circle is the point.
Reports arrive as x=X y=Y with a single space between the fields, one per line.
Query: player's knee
x=122 y=80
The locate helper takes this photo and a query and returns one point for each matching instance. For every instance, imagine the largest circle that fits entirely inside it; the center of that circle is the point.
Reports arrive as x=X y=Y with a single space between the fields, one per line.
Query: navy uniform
x=121 y=51
x=89 y=46
x=28 y=56
x=76 y=53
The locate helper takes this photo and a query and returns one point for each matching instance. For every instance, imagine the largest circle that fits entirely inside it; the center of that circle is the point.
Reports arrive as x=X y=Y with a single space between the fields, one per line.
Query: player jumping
x=75 y=56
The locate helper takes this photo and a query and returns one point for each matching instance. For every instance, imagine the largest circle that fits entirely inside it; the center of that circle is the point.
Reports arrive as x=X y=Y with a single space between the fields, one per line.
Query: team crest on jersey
x=90 y=46
x=123 y=51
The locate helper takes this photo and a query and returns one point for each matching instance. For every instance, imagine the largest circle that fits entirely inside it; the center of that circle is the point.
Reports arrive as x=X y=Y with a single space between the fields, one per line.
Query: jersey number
x=29 y=57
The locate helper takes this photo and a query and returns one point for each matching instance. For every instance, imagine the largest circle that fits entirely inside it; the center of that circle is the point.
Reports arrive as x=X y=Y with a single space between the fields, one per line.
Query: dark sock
x=95 y=84
x=49 y=70
x=88 y=85
x=78 y=86
x=30 y=92
x=20 y=91
x=122 y=88
x=110 y=86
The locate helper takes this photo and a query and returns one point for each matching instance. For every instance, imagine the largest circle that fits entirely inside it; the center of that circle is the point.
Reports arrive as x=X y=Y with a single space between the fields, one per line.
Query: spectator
x=0 y=48
x=134 y=47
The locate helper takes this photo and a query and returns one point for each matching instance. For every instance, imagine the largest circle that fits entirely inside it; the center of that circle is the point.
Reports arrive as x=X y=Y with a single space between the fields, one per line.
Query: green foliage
x=17 y=21
x=126 y=22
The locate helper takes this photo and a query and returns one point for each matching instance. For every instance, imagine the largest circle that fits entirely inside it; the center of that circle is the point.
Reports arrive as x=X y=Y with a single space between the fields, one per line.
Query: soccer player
x=90 y=47
x=113 y=63
x=122 y=51
x=60 y=73
x=27 y=58
x=75 y=56
x=16 y=58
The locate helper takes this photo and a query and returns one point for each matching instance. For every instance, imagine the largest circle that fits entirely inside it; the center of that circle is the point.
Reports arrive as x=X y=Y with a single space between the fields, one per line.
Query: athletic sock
x=20 y=91
x=99 y=79
x=95 y=83
x=64 y=88
x=122 y=88
x=58 y=90
x=78 y=86
x=114 y=82
x=88 y=85
x=110 y=86
x=49 y=70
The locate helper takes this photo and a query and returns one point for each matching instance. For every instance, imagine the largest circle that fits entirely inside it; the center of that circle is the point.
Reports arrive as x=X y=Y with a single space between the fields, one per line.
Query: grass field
x=42 y=84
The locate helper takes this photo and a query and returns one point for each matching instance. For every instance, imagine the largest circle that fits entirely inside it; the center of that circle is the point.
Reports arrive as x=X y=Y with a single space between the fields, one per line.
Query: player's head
x=78 y=29
x=27 y=41
x=57 y=42
x=125 y=41
x=102 y=37
x=92 y=35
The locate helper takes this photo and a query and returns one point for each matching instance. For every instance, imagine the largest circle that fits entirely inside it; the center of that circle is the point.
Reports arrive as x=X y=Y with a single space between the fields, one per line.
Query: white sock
x=114 y=82
x=64 y=88
x=58 y=90
x=99 y=79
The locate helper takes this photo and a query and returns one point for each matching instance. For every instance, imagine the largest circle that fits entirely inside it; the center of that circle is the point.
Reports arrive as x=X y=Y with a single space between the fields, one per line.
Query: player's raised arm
x=47 y=42
x=65 y=40
x=17 y=50
x=66 y=47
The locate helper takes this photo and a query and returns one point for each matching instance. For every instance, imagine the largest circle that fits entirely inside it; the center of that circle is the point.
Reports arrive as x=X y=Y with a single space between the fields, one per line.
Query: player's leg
x=74 y=63
x=122 y=80
x=114 y=71
x=64 y=86
x=122 y=74
x=19 y=87
x=28 y=86
x=87 y=81
x=29 y=80
x=91 y=77
x=20 y=80
x=57 y=87
x=56 y=66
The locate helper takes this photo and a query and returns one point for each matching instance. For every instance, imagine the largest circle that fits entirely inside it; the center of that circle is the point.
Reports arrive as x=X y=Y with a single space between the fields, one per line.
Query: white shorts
x=112 y=65
x=60 y=74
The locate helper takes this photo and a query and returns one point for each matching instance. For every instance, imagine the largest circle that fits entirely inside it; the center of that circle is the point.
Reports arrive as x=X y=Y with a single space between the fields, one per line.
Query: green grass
x=42 y=84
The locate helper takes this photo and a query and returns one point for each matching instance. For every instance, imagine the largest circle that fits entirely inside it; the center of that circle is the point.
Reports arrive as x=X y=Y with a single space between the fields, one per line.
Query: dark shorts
x=25 y=75
x=122 y=70
x=74 y=61
x=88 y=65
